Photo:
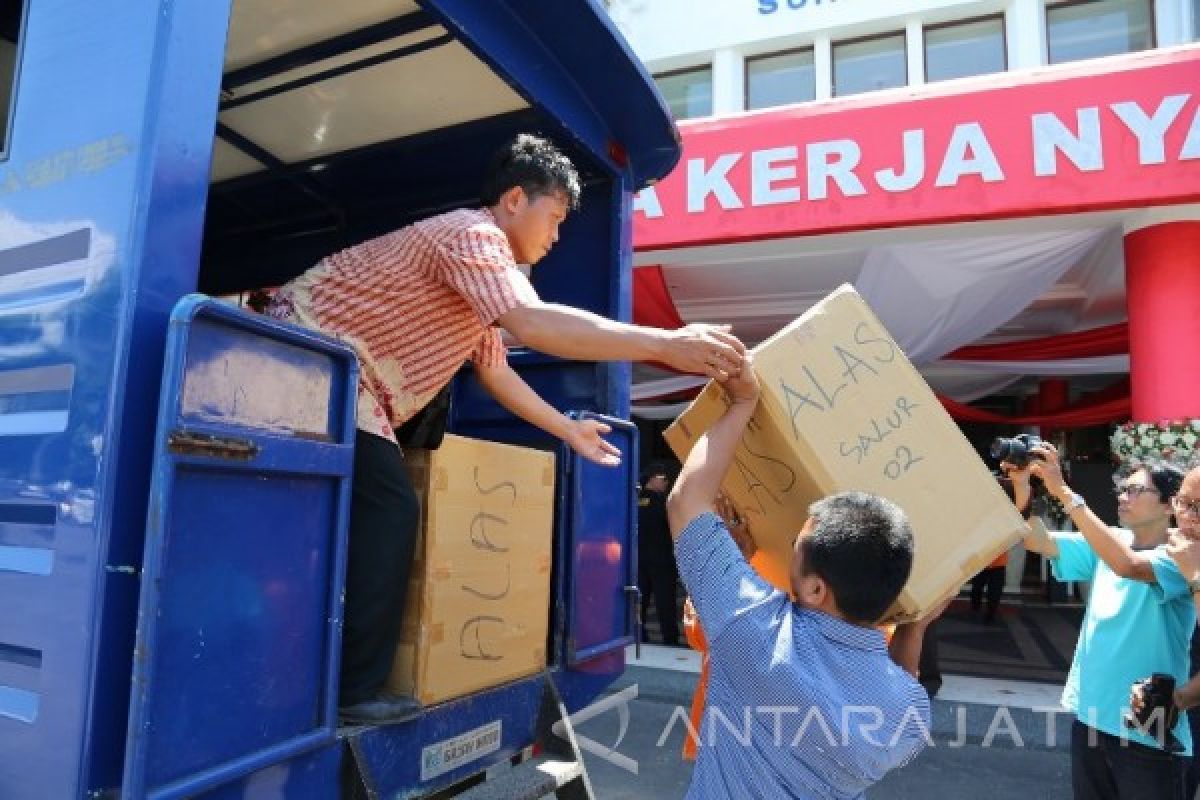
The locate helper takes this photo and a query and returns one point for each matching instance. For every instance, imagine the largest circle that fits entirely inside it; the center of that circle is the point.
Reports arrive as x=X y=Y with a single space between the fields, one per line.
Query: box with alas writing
x=478 y=605
x=843 y=409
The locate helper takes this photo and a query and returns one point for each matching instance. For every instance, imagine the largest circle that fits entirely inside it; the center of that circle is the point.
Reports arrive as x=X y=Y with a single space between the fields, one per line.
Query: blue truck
x=174 y=470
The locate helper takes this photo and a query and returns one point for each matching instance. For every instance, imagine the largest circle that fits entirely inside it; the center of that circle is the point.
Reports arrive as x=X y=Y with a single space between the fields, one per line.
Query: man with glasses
x=1139 y=621
x=1184 y=548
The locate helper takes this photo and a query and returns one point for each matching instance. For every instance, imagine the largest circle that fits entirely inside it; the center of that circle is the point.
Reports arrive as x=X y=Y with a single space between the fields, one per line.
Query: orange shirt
x=695 y=639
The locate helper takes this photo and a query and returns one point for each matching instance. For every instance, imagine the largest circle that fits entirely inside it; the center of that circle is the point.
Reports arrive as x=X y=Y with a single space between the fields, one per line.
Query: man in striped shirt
x=415 y=304
x=804 y=698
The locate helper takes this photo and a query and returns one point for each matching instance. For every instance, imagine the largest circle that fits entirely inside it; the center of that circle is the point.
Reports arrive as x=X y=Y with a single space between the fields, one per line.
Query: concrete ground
x=988 y=741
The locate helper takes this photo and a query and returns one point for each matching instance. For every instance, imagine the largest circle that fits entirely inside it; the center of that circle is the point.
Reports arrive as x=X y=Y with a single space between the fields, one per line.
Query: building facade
x=718 y=57
x=1013 y=185
x=1048 y=145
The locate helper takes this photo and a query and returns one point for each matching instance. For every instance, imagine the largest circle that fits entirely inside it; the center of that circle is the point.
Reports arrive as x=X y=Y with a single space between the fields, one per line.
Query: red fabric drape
x=1112 y=404
x=1109 y=340
x=652 y=303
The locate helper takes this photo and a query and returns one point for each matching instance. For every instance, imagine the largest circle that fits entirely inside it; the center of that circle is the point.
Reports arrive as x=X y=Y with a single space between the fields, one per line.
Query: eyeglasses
x=1186 y=505
x=1133 y=489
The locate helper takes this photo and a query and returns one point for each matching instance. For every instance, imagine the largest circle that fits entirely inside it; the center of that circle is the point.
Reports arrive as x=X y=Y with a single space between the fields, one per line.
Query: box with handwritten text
x=477 y=609
x=843 y=409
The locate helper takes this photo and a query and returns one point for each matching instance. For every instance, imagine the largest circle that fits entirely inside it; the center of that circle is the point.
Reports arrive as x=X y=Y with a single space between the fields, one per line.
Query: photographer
x=1139 y=621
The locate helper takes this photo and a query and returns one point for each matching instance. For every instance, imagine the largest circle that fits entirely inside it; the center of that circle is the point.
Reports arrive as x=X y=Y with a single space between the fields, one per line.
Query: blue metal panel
x=599 y=559
x=102 y=194
x=237 y=648
x=309 y=776
x=391 y=757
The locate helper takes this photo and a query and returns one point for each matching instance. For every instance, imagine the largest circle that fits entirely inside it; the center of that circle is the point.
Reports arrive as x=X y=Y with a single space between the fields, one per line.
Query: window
x=11 y=17
x=1097 y=28
x=864 y=65
x=1196 y=20
x=688 y=92
x=974 y=47
x=780 y=78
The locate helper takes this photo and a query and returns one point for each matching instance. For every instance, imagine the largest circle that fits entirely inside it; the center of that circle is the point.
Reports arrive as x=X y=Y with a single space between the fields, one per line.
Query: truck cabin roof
x=340 y=121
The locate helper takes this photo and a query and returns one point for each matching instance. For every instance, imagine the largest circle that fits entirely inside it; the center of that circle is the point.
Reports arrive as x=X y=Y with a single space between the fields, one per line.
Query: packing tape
x=435 y=633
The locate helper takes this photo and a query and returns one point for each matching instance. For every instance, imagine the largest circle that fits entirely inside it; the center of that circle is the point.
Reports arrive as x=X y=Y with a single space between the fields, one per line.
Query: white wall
x=677 y=33
x=674 y=34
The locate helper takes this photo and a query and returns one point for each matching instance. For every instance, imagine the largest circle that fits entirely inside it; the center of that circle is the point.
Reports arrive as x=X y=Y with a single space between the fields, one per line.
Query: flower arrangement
x=1173 y=441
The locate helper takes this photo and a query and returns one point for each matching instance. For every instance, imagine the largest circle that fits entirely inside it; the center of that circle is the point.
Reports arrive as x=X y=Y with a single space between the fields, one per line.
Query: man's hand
x=1047 y=467
x=742 y=386
x=585 y=437
x=1184 y=550
x=704 y=350
x=1022 y=494
x=739 y=530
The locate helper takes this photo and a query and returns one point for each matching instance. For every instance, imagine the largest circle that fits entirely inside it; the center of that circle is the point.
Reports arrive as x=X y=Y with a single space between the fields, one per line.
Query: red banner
x=1109 y=340
x=1058 y=140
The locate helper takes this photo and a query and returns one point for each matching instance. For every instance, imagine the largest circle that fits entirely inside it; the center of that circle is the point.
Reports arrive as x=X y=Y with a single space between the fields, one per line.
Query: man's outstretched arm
x=699 y=481
x=569 y=332
x=584 y=436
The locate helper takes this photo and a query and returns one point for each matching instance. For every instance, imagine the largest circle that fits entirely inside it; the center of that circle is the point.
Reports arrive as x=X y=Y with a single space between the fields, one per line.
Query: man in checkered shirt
x=415 y=304
x=804 y=698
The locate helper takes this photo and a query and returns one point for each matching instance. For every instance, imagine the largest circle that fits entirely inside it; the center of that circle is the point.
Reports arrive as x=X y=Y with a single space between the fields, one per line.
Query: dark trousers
x=1191 y=776
x=928 y=668
x=992 y=579
x=383 y=536
x=659 y=578
x=1115 y=770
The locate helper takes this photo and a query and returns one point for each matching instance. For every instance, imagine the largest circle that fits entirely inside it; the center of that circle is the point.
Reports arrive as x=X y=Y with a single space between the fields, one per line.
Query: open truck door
x=239 y=621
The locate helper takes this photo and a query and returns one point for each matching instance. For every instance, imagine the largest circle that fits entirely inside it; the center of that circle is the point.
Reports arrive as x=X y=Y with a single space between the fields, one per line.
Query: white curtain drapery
x=934 y=297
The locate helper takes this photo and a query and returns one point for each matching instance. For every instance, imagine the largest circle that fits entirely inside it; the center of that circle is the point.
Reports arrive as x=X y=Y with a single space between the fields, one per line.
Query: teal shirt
x=1131 y=629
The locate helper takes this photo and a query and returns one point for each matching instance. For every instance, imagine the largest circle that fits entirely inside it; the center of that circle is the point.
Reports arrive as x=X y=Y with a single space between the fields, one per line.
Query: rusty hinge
x=203 y=444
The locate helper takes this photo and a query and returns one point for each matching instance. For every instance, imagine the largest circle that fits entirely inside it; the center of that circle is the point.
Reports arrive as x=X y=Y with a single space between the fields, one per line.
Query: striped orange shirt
x=415 y=304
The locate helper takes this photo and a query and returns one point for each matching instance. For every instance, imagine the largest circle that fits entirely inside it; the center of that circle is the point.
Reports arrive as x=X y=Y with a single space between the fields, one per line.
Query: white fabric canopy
x=1097 y=365
x=966 y=387
x=669 y=411
x=934 y=297
x=646 y=390
x=937 y=296
x=963 y=381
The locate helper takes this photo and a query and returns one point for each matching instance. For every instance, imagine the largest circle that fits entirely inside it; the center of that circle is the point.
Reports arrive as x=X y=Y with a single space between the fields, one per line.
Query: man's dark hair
x=862 y=546
x=534 y=164
x=1165 y=478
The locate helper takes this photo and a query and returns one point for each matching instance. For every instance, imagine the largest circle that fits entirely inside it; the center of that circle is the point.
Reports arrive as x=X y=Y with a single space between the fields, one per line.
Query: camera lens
x=1015 y=450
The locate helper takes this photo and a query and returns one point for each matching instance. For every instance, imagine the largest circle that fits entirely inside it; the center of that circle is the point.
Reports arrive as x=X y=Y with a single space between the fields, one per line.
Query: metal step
x=530 y=780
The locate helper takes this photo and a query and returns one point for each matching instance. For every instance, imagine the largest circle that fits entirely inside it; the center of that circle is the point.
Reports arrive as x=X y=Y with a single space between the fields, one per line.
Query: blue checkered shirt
x=800 y=704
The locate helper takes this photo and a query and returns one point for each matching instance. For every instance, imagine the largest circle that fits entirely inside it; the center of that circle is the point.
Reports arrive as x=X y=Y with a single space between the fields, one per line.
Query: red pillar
x=1162 y=286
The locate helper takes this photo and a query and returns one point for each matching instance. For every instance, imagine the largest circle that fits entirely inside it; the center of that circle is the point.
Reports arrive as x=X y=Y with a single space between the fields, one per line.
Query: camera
x=1158 y=692
x=1017 y=450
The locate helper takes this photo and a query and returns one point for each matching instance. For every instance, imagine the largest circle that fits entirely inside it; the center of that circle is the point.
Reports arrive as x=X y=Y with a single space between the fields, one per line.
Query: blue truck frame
x=172 y=536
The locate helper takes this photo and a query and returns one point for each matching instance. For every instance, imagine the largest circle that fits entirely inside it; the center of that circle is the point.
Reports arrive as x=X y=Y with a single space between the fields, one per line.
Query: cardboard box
x=843 y=409
x=478 y=604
